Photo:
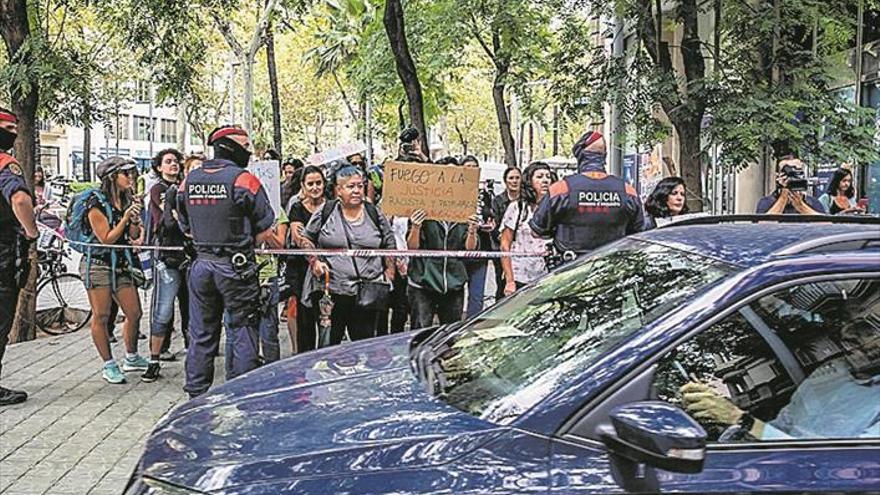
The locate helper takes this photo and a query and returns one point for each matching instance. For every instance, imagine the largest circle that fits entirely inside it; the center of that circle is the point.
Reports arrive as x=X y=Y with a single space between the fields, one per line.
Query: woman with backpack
x=112 y=215
x=357 y=288
x=517 y=236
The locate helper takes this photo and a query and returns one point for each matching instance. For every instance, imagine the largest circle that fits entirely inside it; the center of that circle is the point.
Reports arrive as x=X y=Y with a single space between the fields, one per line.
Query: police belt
x=238 y=258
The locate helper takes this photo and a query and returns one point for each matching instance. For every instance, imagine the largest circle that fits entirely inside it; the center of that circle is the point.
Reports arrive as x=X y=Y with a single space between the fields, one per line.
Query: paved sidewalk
x=77 y=434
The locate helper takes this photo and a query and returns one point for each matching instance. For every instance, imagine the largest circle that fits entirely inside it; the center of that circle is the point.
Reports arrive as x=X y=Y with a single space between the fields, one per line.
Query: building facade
x=138 y=130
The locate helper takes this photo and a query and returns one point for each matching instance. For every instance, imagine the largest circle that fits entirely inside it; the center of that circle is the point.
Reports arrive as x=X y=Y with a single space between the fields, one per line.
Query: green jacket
x=441 y=275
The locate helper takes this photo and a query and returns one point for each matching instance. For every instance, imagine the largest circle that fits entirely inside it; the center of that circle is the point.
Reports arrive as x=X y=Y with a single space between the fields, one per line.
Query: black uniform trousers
x=8 y=299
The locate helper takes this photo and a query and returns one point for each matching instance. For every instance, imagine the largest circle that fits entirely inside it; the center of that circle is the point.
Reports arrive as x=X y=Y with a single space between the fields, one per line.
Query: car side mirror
x=657 y=434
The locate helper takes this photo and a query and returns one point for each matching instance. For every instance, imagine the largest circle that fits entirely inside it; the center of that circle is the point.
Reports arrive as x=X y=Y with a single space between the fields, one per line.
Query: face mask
x=7 y=139
x=588 y=160
x=230 y=150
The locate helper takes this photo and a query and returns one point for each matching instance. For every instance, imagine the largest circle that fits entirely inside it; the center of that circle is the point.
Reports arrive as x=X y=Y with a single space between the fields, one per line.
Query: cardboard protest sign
x=269 y=173
x=338 y=153
x=445 y=192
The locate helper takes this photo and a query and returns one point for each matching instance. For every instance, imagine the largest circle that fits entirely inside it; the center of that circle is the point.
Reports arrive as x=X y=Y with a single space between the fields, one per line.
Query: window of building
x=142 y=92
x=124 y=126
x=117 y=127
x=143 y=128
x=50 y=160
x=168 y=132
x=802 y=363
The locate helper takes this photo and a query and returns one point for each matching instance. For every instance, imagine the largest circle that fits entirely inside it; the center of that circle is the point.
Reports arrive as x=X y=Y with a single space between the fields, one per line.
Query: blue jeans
x=269 y=344
x=165 y=291
x=476 y=286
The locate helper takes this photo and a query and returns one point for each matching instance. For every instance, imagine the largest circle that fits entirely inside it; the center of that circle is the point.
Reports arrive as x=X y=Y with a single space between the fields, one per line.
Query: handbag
x=371 y=294
x=140 y=280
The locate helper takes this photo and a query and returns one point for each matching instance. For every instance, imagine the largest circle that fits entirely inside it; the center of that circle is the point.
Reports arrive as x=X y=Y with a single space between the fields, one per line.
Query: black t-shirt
x=116 y=214
x=170 y=234
x=295 y=272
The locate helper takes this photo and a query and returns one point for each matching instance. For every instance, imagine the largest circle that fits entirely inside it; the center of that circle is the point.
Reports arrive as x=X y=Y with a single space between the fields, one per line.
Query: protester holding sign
x=436 y=285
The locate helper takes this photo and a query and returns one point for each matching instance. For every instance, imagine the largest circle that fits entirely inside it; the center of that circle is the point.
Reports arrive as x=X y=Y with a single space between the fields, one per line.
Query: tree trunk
x=462 y=140
x=15 y=31
x=248 y=68
x=684 y=108
x=87 y=147
x=691 y=163
x=181 y=127
x=503 y=117
x=273 y=86
x=406 y=68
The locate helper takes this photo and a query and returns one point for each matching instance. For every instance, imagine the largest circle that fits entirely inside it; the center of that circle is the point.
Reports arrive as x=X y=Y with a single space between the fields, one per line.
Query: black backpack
x=372 y=212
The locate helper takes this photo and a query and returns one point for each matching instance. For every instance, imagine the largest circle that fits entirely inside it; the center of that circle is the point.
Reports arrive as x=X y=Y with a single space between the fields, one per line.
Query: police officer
x=591 y=208
x=226 y=211
x=17 y=231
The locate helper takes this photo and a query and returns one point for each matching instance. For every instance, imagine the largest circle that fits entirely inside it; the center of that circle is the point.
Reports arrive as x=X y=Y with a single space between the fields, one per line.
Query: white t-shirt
x=525 y=270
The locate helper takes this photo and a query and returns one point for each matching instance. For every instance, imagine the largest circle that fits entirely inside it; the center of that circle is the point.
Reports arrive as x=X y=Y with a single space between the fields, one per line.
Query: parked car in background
x=578 y=383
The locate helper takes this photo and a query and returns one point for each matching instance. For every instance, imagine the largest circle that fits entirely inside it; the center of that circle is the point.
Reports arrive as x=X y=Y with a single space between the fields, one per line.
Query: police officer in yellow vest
x=17 y=231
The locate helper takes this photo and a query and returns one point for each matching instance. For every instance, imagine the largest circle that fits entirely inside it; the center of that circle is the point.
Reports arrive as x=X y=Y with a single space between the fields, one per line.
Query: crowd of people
x=206 y=217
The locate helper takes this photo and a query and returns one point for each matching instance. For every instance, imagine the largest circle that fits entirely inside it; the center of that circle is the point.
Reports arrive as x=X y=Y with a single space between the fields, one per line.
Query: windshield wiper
x=428 y=369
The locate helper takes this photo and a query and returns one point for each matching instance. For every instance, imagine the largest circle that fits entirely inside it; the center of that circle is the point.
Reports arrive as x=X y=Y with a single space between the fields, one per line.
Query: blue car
x=714 y=356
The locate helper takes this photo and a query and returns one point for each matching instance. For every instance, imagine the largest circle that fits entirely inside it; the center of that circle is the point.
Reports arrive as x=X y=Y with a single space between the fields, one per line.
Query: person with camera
x=790 y=197
x=411 y=147
x=18 y=230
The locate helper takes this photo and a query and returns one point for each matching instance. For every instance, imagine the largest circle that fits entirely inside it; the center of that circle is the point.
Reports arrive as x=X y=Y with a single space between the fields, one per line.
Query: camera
x=407 y=147
x=409 y=135
x=797 y=181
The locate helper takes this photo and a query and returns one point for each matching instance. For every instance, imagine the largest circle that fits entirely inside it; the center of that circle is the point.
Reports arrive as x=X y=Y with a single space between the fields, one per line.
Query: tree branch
x=224 y=29
x=262 y=25
x=475 y=30
x=344 y=96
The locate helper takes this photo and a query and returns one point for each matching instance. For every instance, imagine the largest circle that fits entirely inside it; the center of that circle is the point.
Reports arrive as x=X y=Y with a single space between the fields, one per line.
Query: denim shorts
x=98 y=275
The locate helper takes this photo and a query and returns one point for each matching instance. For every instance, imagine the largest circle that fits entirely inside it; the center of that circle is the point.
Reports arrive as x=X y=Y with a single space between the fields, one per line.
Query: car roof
x=746 y=242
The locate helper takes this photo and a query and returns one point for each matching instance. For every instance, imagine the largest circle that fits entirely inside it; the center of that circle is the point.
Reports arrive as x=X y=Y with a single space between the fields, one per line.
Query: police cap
x=225 y=131
x=7 y=116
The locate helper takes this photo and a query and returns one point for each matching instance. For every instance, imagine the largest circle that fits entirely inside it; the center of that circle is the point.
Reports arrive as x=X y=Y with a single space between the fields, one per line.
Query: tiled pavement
x=77 y=434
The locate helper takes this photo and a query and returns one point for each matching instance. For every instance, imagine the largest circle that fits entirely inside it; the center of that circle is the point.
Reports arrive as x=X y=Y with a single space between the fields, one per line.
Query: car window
x=510 y=357
x=800 y=364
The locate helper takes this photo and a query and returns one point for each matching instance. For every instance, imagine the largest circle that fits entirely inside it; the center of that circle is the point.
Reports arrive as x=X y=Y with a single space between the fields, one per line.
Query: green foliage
x=755 y=95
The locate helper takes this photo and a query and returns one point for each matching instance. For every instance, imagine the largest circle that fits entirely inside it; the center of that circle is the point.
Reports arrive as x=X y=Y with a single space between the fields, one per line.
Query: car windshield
x=507 y=359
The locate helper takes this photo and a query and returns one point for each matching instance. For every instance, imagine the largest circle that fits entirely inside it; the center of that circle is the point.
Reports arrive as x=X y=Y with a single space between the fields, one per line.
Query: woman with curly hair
x=517 y=236
x=666 y=201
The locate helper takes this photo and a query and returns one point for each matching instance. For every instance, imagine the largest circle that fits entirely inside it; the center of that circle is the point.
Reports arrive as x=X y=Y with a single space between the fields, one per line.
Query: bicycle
x=62 y=302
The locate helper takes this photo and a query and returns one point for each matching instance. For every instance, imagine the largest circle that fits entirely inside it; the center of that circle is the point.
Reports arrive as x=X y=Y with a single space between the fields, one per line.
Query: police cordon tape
x=361 y=253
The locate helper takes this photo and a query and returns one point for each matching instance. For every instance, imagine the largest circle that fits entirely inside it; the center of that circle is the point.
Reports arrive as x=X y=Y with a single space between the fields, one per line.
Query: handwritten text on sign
x=269 y=173
x=445 y=192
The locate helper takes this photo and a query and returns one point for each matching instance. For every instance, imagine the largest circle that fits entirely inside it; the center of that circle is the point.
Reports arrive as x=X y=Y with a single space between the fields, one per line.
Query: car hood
x=348 y=409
